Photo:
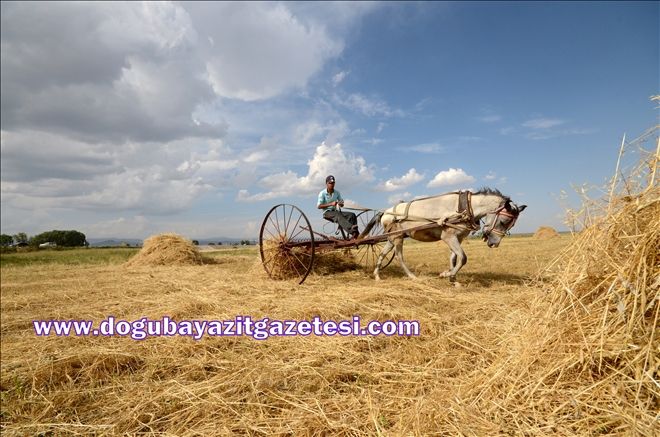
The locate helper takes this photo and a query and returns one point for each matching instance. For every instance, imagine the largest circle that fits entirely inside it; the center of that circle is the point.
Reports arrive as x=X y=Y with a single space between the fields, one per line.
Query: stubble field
x=310 y=385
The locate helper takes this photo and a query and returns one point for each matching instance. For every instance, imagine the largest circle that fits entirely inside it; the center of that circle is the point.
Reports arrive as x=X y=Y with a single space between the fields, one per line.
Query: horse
x=448 y=217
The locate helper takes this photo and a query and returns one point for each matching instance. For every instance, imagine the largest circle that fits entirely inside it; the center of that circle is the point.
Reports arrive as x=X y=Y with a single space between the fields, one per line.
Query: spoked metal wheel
x=367 y=254
x=286 y=243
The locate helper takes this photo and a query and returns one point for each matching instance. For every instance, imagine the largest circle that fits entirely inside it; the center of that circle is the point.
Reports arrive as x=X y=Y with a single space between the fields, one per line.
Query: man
x=328 y=201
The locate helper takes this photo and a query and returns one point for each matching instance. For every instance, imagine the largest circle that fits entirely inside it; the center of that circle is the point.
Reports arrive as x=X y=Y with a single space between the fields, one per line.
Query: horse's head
x=500 y=221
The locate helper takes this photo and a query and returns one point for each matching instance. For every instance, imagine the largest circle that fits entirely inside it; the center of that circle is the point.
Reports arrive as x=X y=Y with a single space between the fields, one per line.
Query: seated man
x=328 y=201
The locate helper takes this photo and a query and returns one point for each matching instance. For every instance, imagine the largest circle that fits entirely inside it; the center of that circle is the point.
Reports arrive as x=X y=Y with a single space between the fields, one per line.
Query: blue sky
x=197 y=118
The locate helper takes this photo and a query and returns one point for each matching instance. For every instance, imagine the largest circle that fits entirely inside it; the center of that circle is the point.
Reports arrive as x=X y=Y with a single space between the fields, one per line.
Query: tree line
x=60 y=238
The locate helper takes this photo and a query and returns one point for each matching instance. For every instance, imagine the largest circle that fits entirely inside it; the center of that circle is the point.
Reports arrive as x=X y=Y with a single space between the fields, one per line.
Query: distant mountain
x=113 y=242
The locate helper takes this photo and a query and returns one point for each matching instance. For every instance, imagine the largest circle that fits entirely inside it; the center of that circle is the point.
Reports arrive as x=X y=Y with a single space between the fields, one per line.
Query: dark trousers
x=347 y=220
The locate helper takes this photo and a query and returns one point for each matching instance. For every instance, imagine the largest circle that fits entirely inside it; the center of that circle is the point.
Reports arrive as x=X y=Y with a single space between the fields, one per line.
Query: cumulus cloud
x=135 y=75
x=393 y=199
x=339 y=78
x=127 y=107
x=453 y=176
x=431 y=148
x=395 y=184
x=276 y=52
x=349 y=170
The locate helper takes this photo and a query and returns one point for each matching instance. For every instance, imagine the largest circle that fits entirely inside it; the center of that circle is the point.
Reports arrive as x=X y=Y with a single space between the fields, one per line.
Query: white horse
x=448 y=217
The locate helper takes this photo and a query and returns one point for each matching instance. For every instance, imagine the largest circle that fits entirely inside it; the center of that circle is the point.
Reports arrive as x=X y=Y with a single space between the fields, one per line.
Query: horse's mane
x=492 y=191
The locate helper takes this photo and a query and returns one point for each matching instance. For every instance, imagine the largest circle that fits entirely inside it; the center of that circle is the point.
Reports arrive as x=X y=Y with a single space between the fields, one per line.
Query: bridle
x=490 y=227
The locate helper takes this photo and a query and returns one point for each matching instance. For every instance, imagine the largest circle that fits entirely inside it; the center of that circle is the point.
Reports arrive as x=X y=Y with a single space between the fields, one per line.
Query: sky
x=125 y=120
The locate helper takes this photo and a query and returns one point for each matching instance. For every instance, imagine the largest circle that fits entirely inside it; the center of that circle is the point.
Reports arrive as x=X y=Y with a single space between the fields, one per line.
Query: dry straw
x=585 y=361
x=545 y=232
x=166 y=250
x=290 y=263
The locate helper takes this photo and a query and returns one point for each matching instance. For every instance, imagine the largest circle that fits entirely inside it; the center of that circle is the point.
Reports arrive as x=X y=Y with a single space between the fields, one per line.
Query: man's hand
x=341 y=203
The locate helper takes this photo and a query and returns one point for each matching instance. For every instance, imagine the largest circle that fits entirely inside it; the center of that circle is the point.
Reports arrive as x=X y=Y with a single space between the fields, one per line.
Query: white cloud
x=348 y=169
x=339 y=78
x=257 y=156
x=542 y=123
x=380 y=127
x=553 y=133
x=369 y=106
x=395 y=184
x=453 y=176
x=134 y=116
x=315 y=131
x=393 y=199
x=132 y=227
x=425 y=148
x=490 y=118
x=277 y=51
x=490 y=176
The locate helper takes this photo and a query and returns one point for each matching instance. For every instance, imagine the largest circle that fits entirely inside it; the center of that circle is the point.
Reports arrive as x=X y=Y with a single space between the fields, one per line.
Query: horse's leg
x=458 y=259
x=398 y=250
x=452 y=264
x=387 y=249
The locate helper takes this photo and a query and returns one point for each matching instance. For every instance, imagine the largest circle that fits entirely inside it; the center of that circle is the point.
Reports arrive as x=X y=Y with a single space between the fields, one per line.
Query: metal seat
x=338 y=229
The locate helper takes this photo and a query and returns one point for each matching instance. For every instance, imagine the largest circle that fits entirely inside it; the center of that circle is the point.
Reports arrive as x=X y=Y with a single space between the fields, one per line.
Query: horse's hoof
x=444 y=274
x=457 y=284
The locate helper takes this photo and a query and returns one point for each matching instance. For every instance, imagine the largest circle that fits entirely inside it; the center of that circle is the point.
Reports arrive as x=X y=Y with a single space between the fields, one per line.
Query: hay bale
x=166 y=250
x=339 y=261
x=545 y=233
x=585 y=360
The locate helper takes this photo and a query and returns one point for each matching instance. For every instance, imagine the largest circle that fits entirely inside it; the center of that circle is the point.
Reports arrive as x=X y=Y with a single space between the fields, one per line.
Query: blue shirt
x=325 y=197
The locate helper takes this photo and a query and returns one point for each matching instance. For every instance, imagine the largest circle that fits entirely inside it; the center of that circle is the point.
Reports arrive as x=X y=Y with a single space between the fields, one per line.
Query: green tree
x=20 y=238
x=61 y=238
x=195 y=242
x=6 y=240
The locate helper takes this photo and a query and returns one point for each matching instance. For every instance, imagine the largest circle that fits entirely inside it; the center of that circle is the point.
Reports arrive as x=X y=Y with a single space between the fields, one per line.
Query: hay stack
x=545 y=233
x=586 y=360
x=166 y=250
x=291 y=263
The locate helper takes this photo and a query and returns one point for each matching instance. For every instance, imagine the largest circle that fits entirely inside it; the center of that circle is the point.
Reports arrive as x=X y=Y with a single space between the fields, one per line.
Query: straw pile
x=545 y=232
x=166 y=250
x=585 y=360
x=290 y=263
x=282 y=263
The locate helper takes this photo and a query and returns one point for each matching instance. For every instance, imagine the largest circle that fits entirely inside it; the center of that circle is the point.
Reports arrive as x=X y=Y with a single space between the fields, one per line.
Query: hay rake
x=287 y=242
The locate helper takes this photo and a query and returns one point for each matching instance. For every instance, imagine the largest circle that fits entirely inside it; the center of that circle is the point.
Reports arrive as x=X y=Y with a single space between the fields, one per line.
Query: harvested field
x=280 y=386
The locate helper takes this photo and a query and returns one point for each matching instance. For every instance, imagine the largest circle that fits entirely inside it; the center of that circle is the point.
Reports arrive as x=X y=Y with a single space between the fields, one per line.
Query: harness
x=491 y=226
x=462 y=220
